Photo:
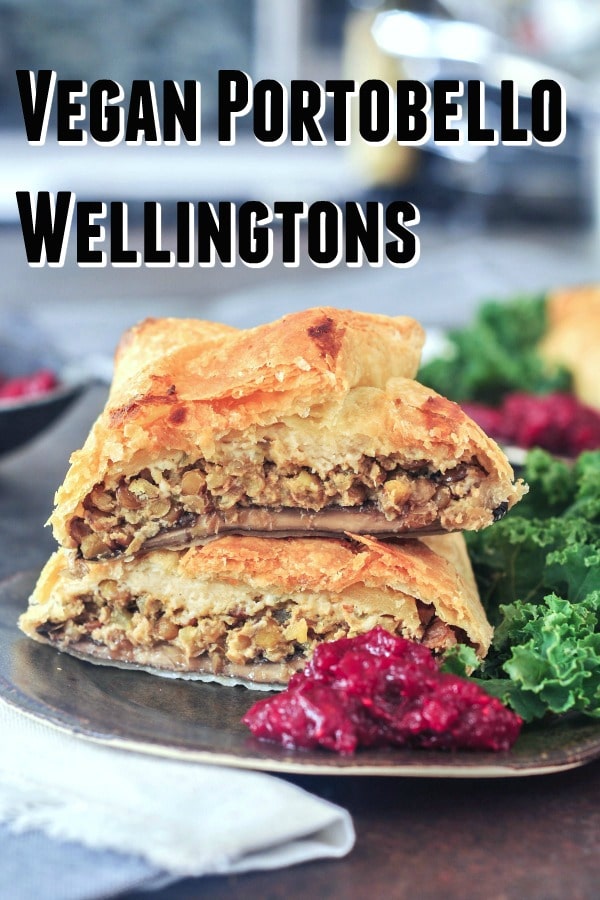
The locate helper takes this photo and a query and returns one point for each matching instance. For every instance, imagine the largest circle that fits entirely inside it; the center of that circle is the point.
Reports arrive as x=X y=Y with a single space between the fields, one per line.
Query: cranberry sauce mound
x=378 y=689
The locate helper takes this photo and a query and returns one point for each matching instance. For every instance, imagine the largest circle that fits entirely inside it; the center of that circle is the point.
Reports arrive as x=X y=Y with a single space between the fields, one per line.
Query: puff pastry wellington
x=573 y=338
x=247 y=494
x=311 y=425
x=254 y=608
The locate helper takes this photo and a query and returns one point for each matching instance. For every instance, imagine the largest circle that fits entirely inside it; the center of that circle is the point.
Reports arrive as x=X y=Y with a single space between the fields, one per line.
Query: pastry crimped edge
x=377 y=579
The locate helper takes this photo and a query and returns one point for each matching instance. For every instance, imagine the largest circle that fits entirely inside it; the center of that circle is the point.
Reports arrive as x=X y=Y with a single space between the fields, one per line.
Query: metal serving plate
x=187 y=720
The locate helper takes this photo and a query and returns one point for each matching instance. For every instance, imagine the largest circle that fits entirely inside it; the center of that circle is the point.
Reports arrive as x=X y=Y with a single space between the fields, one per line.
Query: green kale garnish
x=496 y=355
x=538 y=571
x=550 y=652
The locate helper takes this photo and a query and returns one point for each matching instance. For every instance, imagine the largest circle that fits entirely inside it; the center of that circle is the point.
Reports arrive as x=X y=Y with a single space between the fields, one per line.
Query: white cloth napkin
x=185 y=818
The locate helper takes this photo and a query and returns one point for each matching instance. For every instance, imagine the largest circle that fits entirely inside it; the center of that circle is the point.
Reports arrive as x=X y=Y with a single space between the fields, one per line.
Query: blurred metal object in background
x=426 y=41
x=521 y=40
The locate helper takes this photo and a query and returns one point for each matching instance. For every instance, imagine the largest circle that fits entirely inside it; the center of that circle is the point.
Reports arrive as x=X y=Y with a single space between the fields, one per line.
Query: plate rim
x=499 y=766
x=288 y=767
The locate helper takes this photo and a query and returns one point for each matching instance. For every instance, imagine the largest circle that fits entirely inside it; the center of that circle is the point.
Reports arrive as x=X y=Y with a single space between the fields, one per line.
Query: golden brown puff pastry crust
x=255 y=607
x=573 y=338
x=313 y=352
x=318 y=392
x=143 y=344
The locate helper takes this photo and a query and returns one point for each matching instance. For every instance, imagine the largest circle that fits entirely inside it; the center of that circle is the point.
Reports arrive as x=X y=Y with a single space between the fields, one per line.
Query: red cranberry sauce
x=557 y=422
x=25 y=386
x=379 y=689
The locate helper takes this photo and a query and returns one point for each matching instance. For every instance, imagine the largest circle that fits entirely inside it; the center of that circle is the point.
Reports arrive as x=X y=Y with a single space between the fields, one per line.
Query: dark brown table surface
x=535 y=837
x=496 y=839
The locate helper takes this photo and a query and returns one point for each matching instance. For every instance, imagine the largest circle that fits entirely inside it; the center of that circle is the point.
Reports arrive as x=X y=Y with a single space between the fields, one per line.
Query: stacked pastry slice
x=247 y=494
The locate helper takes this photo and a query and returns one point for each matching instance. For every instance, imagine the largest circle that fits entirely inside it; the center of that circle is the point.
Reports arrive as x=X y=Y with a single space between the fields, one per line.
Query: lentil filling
x=252 y=631
x=181 y=503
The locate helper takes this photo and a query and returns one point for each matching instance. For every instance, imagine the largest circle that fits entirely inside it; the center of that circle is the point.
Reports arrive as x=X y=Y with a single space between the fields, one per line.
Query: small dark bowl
x=21 y=421
x=24 y=349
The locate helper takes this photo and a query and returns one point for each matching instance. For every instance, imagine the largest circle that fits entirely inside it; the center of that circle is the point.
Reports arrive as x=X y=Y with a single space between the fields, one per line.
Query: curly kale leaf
x=550 y=543
x=557 y=487
x=550 y=652
x=460 y=659
x=538 y=572
x=586 y=474
x=496 y=355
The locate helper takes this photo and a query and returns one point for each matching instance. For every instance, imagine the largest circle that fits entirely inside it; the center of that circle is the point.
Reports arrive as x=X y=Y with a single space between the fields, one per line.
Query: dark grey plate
x=197 y=721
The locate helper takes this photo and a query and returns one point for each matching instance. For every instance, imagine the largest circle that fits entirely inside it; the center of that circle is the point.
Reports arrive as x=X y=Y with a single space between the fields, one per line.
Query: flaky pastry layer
x=207 y=427
x=256 y=607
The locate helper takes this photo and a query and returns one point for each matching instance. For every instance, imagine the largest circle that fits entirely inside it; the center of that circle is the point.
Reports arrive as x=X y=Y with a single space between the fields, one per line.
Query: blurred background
x=495 y=221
